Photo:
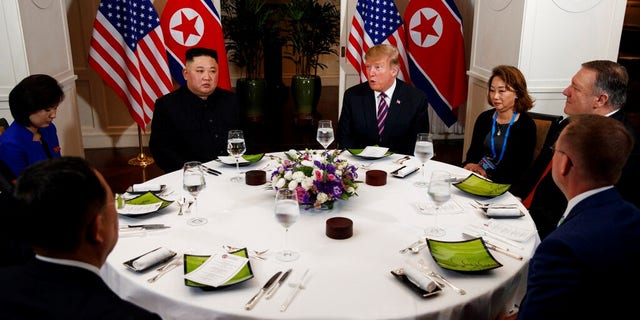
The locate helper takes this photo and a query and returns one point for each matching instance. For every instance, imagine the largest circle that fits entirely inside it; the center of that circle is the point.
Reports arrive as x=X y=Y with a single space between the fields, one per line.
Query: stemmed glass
x=423 y=152
x=440 y=192
x=287 y=212
x=236 y=147
x=325 y=133
x=193 y=181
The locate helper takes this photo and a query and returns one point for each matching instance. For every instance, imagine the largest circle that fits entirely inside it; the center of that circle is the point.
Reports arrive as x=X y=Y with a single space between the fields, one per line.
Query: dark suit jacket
x=518 y=154
x=577 y=271
x=549 y=203
x=358 y=124
x=187 y=128
x=43 y=290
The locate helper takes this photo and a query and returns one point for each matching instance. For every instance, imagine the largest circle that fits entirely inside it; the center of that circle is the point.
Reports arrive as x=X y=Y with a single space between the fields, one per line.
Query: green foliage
x=246 y=25
x=313 y=29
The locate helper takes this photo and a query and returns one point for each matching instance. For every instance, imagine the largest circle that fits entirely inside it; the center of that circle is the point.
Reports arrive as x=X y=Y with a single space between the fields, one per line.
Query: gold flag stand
x=141 y=160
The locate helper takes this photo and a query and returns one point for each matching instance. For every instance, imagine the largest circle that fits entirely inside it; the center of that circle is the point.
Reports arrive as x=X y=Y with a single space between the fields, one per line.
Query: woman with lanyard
x=504 y=137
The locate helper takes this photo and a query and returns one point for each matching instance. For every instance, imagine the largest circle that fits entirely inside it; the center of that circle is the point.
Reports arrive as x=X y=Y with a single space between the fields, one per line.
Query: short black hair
x=199 y=51
x=34 y=93
x=59 y=198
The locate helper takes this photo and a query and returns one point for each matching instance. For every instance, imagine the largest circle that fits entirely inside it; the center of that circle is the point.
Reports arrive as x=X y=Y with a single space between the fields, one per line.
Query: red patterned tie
x=382 y=114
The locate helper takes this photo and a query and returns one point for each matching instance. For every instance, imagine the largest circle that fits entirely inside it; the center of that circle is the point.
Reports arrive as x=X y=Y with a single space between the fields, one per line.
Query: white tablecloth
x=349 y=279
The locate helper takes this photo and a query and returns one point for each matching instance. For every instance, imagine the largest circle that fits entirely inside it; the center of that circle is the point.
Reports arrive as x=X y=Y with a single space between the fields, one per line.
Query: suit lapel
x=370 y=112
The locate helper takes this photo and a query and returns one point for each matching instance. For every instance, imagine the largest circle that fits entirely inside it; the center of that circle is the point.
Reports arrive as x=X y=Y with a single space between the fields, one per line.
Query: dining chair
x=545 y=123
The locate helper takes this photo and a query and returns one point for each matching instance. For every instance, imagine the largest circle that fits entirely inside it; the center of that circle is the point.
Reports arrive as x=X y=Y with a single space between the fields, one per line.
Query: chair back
x=544 y=124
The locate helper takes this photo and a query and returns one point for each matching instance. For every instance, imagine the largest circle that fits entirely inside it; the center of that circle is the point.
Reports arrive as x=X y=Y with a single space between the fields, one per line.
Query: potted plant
x=313 y=30
x=246 y=25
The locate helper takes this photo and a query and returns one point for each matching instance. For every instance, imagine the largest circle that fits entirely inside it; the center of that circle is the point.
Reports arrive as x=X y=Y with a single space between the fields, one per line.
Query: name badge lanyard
x=506 y=136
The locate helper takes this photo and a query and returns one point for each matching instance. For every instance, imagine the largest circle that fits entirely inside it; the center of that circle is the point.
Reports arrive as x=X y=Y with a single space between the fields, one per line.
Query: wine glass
x=423 y=152
x=325 y=133
x=193 y=181
x=236 y=147
x=440 y=192
x=287 y=212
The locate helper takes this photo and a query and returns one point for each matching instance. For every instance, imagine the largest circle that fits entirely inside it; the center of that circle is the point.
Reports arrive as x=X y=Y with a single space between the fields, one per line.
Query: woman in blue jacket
x=32 y=136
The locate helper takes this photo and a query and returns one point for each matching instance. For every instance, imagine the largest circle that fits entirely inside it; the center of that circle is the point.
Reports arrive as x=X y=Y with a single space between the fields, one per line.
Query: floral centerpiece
x=318 y=178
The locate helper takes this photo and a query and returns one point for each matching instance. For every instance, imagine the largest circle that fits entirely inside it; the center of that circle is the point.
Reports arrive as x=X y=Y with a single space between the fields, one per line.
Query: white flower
x=280 y=183
x=292 y=184
x=307 y=163
x=307 y=183
x=288 y=175
x=322 y=197
x=350 y=190
x=298 y=176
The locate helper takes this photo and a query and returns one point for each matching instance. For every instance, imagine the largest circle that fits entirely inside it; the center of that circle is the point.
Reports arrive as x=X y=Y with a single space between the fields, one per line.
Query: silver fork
x=402 y=160
x=441 y=277
x=165 y=270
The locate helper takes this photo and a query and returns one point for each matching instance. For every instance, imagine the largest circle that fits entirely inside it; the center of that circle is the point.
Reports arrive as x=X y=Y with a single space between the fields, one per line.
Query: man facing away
x=68 y=215
x=192 y=122
x=599 y=87
x=578 y=270
x=403 y=116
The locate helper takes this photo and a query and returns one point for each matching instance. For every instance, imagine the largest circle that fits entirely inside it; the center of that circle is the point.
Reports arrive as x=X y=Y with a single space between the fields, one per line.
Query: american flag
x=127 y=51
x=376 y=22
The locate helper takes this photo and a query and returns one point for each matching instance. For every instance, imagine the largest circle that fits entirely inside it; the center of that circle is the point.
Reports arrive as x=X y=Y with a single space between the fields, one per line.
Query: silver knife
x=492 y=246
x=252 y=302
x=275 y=287
x=148 y=226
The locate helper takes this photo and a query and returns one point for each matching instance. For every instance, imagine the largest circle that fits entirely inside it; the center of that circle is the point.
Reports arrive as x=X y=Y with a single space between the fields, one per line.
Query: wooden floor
x=276 y=131
x=113 y=163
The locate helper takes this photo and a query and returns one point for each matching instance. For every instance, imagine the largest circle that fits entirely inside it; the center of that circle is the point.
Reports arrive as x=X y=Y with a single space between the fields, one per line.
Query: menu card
x=218 y=269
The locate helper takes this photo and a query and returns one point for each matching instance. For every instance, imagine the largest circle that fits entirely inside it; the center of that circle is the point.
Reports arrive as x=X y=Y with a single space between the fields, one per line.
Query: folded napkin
x=152 y=258
x=146 y=187
x=232 y=159
x=374 y=152
x=503 y=212
x=406 y=171
x=419 y=279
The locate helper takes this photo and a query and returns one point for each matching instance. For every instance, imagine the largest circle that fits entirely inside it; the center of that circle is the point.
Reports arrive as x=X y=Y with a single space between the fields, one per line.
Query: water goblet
x=440 y=192
x=423 y=151
x=325 y=133
x=236 y=147
x=193 y=181
x=287 y=212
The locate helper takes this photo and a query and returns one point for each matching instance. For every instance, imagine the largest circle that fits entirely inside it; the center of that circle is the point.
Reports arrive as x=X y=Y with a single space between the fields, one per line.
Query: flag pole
x=141 y=160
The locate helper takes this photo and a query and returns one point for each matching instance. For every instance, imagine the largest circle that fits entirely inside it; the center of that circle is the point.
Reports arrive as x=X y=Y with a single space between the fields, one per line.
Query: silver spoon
x=181 y=202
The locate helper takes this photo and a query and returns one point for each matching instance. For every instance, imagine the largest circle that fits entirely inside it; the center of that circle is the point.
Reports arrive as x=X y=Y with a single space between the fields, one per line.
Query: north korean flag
x=193 y=23
x=435 y=49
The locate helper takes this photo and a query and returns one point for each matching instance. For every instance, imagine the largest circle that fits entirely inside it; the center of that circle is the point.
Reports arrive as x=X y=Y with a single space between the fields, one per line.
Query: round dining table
x=347 y=278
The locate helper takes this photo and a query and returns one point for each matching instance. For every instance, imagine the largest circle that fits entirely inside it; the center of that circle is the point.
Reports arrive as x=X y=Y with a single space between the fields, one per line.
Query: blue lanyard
x=506 y=136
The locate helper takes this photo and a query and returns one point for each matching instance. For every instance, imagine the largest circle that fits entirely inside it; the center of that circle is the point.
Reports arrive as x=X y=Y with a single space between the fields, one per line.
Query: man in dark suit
x=596 y=241
x=599 y=87
x=68 y=215
x=406 y=112
x=192 y=122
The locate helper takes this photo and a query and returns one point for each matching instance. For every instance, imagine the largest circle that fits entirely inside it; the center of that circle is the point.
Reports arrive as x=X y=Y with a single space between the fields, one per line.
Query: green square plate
x=192 y=262
x=479 y=186
x=466 y=256
x=145 y=198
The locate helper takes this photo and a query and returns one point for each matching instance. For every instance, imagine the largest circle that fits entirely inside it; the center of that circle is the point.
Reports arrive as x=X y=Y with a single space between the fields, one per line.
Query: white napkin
x=146 y=187
x=503 y=212
x=419 y=279
x=374 y=152
x=232 y=159
x=406 y=171
x=152 y=258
